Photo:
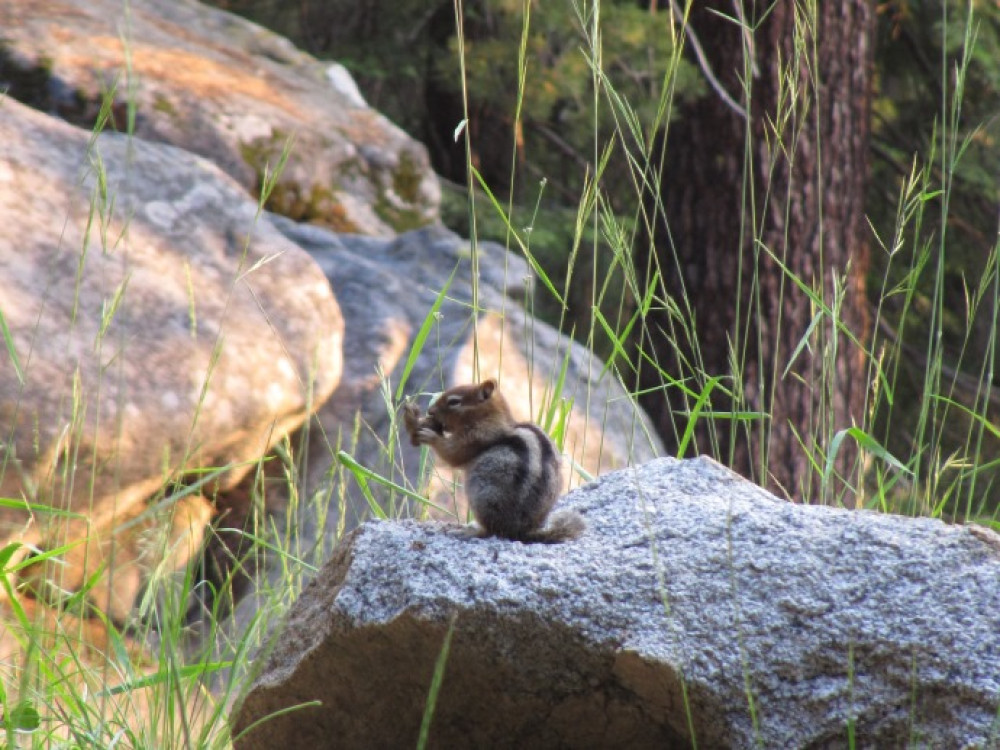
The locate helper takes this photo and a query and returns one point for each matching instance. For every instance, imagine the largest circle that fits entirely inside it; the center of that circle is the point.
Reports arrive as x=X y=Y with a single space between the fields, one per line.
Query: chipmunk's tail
x=563 y=526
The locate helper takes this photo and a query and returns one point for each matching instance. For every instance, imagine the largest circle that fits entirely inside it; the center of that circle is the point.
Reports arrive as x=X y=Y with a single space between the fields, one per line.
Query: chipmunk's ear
x=486 y=389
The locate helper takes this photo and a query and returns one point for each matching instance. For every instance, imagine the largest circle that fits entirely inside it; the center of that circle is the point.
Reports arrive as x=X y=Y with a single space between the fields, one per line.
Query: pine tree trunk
x=790 y=181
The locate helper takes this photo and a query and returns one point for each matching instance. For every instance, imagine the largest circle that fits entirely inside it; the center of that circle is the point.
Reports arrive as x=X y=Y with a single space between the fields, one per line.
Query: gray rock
x=226 y=89
x=696 y=603
x=159 y=327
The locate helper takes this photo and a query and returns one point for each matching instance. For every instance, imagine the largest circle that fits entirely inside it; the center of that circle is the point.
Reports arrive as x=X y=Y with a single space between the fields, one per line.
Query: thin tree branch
x=706 y=68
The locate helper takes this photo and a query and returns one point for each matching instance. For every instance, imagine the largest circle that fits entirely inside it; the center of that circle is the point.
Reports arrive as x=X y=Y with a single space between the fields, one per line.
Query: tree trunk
x=739 y=199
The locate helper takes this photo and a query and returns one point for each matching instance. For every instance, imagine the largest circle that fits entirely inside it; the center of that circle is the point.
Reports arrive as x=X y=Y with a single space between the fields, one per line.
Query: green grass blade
x=8 y=340
x=695 y=413
x=363 y=475
x=163 y=675
x=15 y=504
x=425 y=328
x=867 y=443
x=435 y=689
x=539 y=271
x=276 y=714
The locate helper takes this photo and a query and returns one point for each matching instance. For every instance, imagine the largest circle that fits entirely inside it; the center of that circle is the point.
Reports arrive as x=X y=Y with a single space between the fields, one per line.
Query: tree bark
x=740 y=197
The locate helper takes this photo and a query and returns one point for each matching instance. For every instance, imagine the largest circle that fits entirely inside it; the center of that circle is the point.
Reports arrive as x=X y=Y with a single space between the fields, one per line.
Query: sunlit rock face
x=228 y=90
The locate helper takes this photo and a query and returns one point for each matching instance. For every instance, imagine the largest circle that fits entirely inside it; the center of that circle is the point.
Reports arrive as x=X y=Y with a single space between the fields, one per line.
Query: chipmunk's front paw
x=423 y=429
x=411 y=420
x=427 y=435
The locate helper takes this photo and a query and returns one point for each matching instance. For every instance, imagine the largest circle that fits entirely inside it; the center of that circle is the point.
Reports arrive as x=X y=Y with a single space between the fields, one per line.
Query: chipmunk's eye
x=454 y=401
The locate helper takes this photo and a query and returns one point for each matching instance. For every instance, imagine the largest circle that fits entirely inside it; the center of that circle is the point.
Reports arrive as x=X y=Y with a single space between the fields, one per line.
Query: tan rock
x=157 y=328
x=226 y=89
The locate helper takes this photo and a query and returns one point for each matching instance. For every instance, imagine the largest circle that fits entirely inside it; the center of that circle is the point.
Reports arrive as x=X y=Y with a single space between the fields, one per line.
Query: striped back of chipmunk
x=537 y=474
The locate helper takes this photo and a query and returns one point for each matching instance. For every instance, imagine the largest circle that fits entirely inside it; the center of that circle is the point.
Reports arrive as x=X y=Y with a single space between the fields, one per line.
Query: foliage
x=919 y=47
x=556 y=123
x=933 y=207
x=403 y=55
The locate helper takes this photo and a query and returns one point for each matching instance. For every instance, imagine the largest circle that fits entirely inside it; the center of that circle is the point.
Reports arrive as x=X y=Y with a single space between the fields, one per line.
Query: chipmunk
x=511 y=469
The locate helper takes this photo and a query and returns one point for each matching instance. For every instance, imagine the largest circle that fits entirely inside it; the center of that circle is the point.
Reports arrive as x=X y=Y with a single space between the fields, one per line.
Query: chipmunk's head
x=465 y=404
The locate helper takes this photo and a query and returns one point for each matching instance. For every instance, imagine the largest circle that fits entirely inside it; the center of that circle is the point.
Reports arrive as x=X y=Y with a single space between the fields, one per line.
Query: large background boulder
x=226 y=89
x=695 y=604
x=387 y=290
x=157 y=327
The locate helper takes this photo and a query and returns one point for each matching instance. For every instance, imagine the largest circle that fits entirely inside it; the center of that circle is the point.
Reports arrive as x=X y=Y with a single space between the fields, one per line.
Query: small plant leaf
x=23 y=717
x=8 y=340
x=435 y=689
x=425 y=328
x=8 y=552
